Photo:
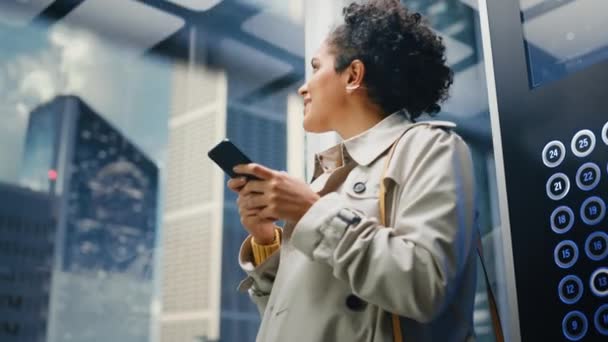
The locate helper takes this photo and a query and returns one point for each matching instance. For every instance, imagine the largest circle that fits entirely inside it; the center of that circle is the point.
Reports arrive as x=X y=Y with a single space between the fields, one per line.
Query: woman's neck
x=359 y=120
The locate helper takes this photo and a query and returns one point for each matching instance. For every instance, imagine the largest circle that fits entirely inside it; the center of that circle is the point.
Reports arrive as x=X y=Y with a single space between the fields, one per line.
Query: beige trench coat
x=339 y=272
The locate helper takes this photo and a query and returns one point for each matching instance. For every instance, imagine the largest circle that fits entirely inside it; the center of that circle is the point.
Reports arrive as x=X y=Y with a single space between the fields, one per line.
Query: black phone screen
x=226 y=155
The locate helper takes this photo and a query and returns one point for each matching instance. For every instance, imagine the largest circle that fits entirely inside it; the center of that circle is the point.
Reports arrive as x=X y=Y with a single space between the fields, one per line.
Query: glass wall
x=457 y=21
x=557 y=45
x=114 y=225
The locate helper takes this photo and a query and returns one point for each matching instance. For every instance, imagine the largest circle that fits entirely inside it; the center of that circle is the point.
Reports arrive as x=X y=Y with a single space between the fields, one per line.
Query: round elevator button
x=554 y=153
x=583 y=143
x=599 y=282
x=593 y=210
x=570 y=289
x=574 y=325
x=558 y=186
x=601 y=319
x=588 y=176
x=596 y=246
x=566 y=254
x=562 y=219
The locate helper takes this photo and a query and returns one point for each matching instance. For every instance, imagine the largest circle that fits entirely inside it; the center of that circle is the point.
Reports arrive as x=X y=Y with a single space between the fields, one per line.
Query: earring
x=353 y=87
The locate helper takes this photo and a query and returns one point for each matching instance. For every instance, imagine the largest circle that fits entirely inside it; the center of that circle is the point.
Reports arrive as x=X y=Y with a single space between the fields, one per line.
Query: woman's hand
x=261 y=229
x=277 y=195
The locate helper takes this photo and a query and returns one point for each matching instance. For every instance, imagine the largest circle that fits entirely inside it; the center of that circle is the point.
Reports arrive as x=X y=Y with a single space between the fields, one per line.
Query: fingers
x=252 y=201
x=262 y=213
x=253 y=169
x=237 y=184
x=249 y=212
x=268 y=213
x=254 y=186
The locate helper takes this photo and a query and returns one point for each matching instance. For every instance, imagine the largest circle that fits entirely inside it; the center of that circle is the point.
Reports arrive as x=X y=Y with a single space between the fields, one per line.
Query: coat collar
x=363 y=148
x=369 y=145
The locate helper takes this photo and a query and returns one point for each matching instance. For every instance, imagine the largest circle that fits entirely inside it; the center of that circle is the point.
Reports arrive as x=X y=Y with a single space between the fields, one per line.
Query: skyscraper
x=201 y=229
x=192 y=220
x=105 y=191
x=27 y=226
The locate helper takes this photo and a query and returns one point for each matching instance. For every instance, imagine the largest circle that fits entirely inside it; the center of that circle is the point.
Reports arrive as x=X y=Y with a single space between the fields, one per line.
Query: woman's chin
x=313 y=127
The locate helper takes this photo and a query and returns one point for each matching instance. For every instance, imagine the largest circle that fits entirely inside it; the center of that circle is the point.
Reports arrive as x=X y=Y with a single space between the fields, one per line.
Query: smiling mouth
x=306 y=104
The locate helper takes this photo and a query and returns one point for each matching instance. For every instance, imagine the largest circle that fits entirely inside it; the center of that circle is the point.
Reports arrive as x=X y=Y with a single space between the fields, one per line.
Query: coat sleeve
x=409 y=268
x=260 y=278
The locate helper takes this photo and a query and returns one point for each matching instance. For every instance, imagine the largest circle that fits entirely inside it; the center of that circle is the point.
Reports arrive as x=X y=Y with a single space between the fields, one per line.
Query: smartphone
x=226 y=155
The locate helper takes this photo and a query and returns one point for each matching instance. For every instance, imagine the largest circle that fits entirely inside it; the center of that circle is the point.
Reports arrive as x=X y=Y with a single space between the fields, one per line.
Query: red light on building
x=52 y=175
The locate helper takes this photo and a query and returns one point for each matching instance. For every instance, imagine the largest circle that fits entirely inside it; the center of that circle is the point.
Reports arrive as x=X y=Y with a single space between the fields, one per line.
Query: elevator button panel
x=576 y=192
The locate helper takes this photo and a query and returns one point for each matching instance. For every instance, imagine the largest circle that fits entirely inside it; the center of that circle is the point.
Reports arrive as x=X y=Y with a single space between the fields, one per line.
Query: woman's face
x=324 y=94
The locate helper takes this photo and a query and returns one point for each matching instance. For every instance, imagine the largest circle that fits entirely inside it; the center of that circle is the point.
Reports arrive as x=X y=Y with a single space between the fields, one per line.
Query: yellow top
x=262 y=252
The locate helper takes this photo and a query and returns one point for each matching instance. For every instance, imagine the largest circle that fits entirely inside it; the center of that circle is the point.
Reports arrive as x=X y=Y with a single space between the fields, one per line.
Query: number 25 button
x=583 y=143
x=558 y=186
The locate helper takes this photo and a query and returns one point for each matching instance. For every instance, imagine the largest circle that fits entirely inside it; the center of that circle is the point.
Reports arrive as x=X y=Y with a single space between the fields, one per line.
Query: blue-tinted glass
x=113 y=223
x=563 y=37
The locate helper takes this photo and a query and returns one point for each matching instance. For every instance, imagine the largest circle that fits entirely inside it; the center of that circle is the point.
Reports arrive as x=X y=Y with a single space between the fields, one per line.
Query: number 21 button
x=558 y=186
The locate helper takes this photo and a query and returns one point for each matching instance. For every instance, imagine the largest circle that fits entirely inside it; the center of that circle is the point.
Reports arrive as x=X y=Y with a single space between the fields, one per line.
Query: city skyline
x=100 y=259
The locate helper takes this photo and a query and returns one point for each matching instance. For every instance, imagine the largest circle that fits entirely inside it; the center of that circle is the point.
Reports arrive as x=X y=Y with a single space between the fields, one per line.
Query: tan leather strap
x=397 y=334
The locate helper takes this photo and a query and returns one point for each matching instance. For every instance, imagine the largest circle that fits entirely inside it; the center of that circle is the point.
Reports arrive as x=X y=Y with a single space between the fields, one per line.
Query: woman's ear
x=356 y=72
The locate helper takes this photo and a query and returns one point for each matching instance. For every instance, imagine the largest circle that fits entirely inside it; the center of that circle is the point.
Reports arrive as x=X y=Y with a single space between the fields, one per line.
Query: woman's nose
x=303 y=90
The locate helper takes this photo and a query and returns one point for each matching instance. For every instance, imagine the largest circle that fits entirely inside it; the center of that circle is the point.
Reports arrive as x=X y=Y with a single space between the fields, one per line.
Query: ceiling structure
x=260 y=37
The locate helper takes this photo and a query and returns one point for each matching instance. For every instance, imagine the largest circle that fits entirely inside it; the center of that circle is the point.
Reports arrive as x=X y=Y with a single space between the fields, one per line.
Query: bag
x=397 y=334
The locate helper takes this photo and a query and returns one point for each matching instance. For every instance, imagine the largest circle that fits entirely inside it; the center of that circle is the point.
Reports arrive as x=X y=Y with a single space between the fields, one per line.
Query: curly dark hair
x=404 y=59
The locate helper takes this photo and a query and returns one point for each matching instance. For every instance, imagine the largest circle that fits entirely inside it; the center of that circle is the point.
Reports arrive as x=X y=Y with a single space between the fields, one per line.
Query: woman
x=334 y=273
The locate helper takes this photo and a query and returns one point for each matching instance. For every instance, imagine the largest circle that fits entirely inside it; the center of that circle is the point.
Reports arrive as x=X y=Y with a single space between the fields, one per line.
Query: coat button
x=359 y=187
x=355 y=303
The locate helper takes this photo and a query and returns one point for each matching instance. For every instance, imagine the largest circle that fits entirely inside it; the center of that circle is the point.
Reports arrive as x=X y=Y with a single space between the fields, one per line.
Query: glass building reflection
x=91 y=274
x=27 y=229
